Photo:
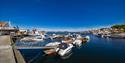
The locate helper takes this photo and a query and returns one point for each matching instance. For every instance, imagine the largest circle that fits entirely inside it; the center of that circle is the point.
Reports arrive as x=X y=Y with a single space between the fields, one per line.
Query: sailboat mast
x=9 y=23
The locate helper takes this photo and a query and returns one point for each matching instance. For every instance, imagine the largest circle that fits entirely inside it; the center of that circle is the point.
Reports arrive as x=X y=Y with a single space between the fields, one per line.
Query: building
x=4 y=24
x=6 y=29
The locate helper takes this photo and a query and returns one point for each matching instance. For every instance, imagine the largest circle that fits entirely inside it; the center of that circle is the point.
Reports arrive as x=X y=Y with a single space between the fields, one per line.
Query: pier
x=8 y=54
x=29 y=47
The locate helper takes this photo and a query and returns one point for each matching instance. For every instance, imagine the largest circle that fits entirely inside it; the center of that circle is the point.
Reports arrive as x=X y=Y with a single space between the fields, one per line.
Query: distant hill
x=121 y=26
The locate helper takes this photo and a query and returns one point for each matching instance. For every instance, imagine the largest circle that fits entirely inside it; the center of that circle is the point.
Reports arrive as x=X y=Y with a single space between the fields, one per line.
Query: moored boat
x=64 y=50
x=51 y=50
x=79 y=41
x=32 y=39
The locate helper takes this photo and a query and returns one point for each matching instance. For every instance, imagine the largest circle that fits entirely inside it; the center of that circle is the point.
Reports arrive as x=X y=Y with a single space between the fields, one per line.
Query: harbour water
x=97 y=50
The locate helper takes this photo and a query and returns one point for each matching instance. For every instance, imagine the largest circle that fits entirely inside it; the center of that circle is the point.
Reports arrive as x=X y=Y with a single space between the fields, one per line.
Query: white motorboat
x=26 y=39
x=51 y=50
x=37 y=39
x=87 y=37
x=32 y=39
x=79 y=41
x=64 y=50
x=53 y=44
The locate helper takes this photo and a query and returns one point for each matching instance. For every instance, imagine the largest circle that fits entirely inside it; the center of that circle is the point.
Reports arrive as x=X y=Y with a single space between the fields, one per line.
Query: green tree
x=120 y=27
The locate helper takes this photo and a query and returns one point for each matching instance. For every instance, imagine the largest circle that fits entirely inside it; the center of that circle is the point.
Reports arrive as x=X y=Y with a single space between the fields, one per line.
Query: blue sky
x=63 y=14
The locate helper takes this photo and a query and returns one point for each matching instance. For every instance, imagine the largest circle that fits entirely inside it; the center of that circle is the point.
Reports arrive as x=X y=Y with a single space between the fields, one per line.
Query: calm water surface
x=97 y=50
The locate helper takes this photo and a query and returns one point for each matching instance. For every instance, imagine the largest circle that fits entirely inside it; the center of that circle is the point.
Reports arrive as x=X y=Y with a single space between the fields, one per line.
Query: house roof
x=3 y=24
